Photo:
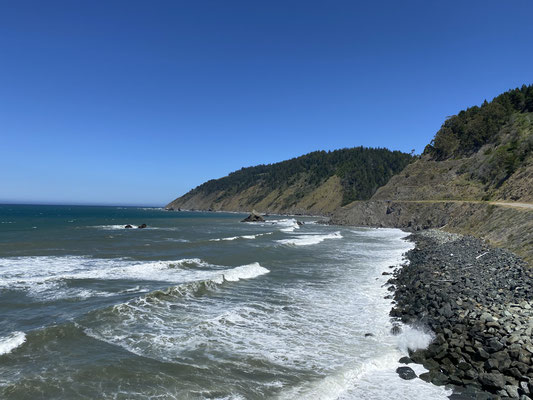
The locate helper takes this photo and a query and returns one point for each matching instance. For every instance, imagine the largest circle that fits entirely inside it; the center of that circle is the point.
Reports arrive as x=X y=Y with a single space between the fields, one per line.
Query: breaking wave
x=249 y=237
x=11 y=342
x=47 y=276
x=154 y=325
x=307 y=240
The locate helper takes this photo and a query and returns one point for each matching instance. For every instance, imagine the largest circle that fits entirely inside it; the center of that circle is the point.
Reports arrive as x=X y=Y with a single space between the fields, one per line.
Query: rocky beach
x=478 y=302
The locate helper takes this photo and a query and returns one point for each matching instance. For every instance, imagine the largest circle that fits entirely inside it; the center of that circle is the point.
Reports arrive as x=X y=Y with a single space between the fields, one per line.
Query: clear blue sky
x=136 y=102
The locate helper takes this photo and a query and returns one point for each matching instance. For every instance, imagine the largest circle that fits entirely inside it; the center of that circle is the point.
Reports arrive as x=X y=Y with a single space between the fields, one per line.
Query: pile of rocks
x=478 y=301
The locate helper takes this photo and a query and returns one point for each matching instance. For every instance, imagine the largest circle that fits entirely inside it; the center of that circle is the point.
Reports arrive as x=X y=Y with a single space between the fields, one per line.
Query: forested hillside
x=482 y=153
x=320 y=181
x=468 y=180
x=465 y=133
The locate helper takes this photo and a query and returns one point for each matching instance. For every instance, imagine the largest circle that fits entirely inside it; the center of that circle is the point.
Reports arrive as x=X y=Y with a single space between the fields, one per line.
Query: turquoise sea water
x=196 y=306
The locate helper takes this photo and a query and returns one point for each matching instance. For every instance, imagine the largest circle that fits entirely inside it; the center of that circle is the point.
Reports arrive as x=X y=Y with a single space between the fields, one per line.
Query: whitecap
x=245 y=272
x=248 y=237
x=11 y=342
x=287 y=225
x=309 y=239
x=44 y=276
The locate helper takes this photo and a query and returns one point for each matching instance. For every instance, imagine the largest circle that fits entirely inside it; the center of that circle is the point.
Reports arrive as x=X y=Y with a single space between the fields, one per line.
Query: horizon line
x=75 y=204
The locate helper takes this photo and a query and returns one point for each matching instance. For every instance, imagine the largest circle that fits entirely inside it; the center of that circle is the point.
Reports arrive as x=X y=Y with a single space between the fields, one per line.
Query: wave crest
x=11 y=342
x=307 y=240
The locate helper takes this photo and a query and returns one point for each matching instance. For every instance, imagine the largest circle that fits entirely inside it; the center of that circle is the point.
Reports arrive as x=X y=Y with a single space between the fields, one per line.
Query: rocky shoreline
x=478 y=300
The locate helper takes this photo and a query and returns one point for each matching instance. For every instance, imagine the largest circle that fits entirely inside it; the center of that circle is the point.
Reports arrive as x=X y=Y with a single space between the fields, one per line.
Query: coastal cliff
x=475 y=177
x=315 y=183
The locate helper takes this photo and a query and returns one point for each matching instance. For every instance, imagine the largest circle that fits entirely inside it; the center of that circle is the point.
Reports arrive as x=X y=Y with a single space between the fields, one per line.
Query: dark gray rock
x=479 y=309
x=396 y=330
x=406 y=373
x=495 y=345
x=142 y=226
x=128 y=226
x=493 y=380
x=254 y=217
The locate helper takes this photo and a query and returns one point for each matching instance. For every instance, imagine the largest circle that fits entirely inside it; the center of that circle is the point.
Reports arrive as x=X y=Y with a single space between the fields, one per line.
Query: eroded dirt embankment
x=503 y=225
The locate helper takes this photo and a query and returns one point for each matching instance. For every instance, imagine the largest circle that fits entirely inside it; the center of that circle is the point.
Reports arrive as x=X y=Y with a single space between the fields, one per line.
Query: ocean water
x=197 y=306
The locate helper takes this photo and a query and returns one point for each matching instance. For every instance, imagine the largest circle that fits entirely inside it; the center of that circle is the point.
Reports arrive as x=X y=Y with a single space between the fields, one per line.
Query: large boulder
x=406 y=373
x=254 y=217
x=142 y=226
x=494 y=380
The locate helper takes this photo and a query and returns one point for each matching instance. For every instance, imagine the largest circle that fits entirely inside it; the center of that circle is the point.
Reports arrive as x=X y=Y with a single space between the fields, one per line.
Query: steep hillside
x=501 y=169
x=479 y=158
x=318 y=182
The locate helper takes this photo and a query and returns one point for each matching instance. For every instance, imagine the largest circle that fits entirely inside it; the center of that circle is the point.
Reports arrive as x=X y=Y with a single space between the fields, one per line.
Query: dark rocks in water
x=299 y=223
x=406 y=373
x=169 y=208
x=405 y=360
x=142 y=226
x=479 y=308
x=435 y=377
x=254 y=217
x=369 y=334
x=396 y=330
x=128 y=226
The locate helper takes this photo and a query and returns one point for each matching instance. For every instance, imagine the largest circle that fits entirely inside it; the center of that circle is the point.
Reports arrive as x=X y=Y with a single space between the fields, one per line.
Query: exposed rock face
x=254 y=217
x=128 y=226
x=479 y=302
x=507 y=227
x=142 y=226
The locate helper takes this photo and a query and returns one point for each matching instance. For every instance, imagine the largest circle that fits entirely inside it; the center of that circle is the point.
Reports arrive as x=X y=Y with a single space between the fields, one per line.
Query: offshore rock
x=254 y=217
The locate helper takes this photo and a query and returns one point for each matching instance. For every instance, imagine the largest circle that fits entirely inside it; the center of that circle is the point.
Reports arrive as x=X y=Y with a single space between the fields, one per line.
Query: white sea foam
x=11 y=342
x=44 y=276
x=177 y=240
x=224 y=239
x=114 y=227
x=135 y=227
x=287 y=225
x=244 y=272
x=414 y=339
x=158 y=321
x=309 y=239
x=248 y=237
x=307 y=333
x=371 y=375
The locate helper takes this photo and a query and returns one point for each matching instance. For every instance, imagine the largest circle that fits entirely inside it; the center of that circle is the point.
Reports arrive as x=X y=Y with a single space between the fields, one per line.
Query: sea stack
x=254 y=217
